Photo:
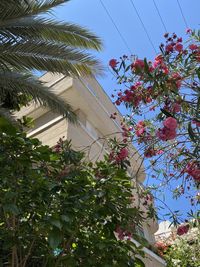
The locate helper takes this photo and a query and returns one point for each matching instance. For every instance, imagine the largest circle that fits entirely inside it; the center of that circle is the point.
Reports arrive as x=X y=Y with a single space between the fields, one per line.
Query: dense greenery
x=30 y=40
x=184 y=252
x=56 y=209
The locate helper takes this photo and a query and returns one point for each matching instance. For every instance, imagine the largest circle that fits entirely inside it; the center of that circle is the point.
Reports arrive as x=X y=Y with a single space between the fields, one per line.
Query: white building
x=93 y=108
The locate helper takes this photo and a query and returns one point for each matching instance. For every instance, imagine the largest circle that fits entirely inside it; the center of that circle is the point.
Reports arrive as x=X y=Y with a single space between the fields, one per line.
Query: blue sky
x=91 y=14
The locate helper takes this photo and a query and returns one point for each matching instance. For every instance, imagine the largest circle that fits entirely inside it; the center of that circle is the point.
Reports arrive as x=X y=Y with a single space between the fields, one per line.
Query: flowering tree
x=163 y=97
x=184 y=250
x=57 y=209
x=183 y=253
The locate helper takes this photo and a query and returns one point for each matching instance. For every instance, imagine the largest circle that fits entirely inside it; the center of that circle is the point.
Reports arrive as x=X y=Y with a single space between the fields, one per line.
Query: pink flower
x=170 y=123
x=140 y=132
x=57 y=148
x=178 y=47
x=120 y=233
x=168 y=132
x=183 y=229
x=113 y=63
x=165 y=69
x=140 y=128
x=123 y=153
x=176 y=107
x=165 y=134
x=159 y=152
x=158 y=61
x=193 y=170
x=193 y=47
x=137 y=64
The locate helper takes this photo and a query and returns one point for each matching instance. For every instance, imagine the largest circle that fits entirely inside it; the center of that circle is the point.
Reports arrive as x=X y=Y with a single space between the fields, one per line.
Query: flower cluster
x=123 y=235
x=193 y=170
x=168 y=132
x=165 y=92
x=118 y=156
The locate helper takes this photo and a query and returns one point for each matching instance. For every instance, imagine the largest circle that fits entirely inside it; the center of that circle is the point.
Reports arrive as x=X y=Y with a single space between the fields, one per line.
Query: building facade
x=93 y=108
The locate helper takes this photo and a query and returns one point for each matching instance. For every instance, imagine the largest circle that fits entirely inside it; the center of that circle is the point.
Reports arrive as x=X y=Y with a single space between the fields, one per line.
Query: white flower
x=176 y=262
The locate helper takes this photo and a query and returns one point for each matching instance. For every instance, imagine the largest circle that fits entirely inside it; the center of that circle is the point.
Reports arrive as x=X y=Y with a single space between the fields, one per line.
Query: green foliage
x=31 y=40
x=58 y=210
x=184 y=253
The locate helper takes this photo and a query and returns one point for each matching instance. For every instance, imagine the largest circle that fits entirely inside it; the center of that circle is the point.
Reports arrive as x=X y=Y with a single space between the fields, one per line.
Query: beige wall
x=93 y=108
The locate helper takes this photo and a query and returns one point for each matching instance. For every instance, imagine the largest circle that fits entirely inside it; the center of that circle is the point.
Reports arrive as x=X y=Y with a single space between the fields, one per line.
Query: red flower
x=176 y=107
x=193 y=47
x=170 y=123
x=193 y=170
x=113 y=63
x=183 y=229
x=138 y=64
x=165 y=69
x=169 y=48
x=178 y=47
x=158 y=61
x=188 y=31
x=123 y=153
x=166 y=134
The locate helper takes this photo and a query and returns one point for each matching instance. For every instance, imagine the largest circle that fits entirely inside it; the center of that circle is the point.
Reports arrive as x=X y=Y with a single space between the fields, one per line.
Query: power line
x=164 y=26
x=181 y=10
x=117 y=29
x=134 y=7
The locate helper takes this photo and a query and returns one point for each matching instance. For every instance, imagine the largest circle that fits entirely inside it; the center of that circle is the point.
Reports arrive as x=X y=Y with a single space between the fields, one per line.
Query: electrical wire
x=181 y=10
x=117 y=29
x=164 y=26
x=144 y=28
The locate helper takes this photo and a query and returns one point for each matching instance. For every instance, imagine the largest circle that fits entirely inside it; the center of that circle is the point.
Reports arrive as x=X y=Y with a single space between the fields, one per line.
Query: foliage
x=56 y=209
x=30 y=40
x=163 y=98
x=183 y=253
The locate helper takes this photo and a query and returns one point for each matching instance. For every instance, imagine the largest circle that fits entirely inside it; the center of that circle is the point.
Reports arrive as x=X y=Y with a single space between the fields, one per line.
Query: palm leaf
x=34 y=28
x=27 y=84
x=23 y=8
x=30 y=42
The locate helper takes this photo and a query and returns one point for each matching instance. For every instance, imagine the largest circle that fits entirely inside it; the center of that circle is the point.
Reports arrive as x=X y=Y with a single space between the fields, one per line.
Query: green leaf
x=55 y=238
x=56 y=223
x=6 y=127
x=11 y=208
x=139 y=263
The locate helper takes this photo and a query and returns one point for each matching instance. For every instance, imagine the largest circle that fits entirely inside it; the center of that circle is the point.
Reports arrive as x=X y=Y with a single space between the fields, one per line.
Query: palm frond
x=27 y=84
x=17 y=9
x=55 y=65
x=50 y=30
x=30 y=42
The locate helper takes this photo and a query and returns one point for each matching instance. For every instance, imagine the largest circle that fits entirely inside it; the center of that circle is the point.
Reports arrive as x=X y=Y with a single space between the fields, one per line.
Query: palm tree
x=30 y=41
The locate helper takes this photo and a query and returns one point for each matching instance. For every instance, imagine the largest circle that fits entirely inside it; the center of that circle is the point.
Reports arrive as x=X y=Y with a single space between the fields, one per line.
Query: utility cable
x=181 y=10
x=117 y=29
x=164 y=26
x=148 y=36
